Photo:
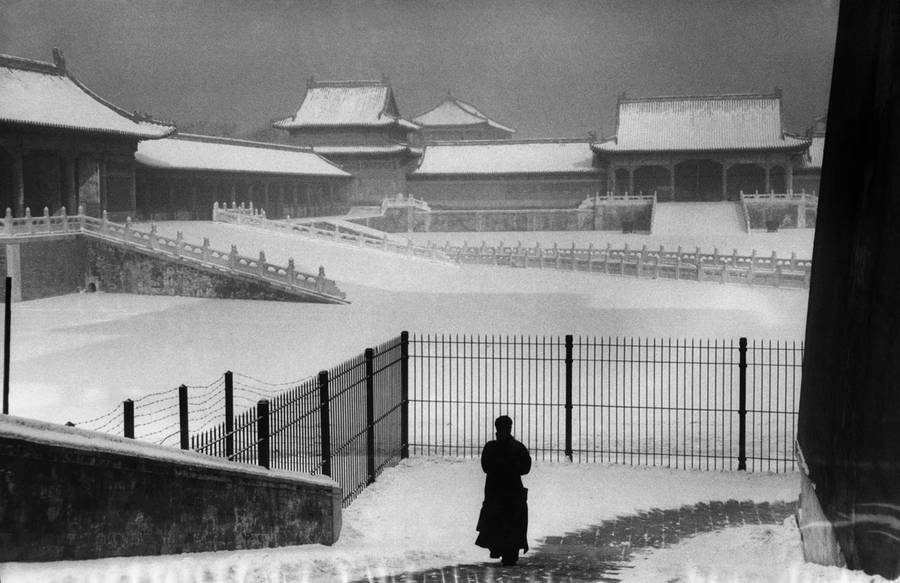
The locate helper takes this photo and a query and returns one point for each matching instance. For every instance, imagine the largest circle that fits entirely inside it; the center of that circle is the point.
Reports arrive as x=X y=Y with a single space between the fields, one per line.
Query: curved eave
x=783 y=148
x=289 y=124
x=162 y=132
x=594 y=172
x=167 y=167
x=479 y=124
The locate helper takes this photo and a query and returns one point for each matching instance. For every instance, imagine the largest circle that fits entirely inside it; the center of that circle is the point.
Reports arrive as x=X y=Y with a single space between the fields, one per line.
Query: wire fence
x=700 y=404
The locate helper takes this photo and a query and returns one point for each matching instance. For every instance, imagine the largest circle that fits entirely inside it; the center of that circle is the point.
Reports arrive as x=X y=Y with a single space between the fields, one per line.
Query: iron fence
x=673 y=403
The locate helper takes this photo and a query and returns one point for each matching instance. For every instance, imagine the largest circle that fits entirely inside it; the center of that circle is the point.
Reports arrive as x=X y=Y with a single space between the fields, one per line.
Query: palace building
x=180 y=177
x=61 y=145
x=702 y=148
x=484 y=174
x=453 y=120
x=357 y=125
x=806 y=176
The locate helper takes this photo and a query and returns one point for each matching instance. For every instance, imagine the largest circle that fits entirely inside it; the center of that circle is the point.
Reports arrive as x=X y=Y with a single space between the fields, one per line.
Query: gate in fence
x=673 y=403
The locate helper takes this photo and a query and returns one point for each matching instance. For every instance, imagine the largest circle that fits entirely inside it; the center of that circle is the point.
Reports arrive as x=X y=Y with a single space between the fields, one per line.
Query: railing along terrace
x=240 y=215
x=286 y=276
x=661 y=402
x=750 y=269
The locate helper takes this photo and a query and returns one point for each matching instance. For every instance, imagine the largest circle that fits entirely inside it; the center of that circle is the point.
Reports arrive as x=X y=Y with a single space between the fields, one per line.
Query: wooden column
x=631 y=180
x=266 y=196
x=672 y=180
x=789 y=175
x=725 y=180
x=768 y=181
x=18 y=183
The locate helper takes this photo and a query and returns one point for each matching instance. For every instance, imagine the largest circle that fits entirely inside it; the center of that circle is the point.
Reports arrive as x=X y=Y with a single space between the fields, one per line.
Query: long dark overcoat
x=503 y=521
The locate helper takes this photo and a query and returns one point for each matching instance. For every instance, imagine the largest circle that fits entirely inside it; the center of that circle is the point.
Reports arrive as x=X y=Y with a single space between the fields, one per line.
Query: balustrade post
x=640 y=262
x=261 y=263
x=29 y=221
x=104 y=222
x=262 y=433
x=183 y=416
x=573 y=255
x=153 y=236
x=697 y=260
x=8 y=221
x=65 y=219
x=204 y=252
x=678 y=264
x=233 y=257
x=179 y=243
x=47 y=219
x=752 y=271
x=291 y=271
x=590 y=260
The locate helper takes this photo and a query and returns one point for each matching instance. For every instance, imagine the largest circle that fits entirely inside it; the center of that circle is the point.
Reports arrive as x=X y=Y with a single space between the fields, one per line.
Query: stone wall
x=43 y=268
x=608 y=217
x=74 y=494
x=120 y=270
x=780 y=215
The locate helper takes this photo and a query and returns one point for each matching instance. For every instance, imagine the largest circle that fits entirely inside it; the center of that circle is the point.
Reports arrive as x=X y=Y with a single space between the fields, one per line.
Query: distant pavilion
x=63 y=145
x=806 y=177
x=357 y=125
x=701 y=148
x=454 y=119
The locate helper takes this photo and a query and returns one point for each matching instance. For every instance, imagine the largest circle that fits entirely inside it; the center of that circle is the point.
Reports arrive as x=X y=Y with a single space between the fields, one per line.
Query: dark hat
x=503 y=422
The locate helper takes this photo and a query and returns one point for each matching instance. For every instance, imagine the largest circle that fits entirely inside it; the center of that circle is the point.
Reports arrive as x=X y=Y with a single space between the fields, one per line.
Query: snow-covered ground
x=422 y=514
x=75 y=357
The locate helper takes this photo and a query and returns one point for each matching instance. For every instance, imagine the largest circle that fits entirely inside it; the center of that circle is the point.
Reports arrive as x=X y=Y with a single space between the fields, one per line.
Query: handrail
x=240 y=215
x=284 y=276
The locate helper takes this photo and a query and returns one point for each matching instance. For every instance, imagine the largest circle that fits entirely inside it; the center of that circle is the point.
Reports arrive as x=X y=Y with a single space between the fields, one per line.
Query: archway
x=650 y=179
x=749 y=178
x=698 y=180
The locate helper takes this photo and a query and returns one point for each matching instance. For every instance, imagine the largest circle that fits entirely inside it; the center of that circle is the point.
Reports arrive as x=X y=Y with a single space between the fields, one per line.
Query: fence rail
x=718 y=267
x=343 y=233
x=673 y=403
x=286 y=277
x=714 y=405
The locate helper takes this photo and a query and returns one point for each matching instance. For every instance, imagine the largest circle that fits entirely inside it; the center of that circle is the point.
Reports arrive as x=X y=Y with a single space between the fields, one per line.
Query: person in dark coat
x=503 y=521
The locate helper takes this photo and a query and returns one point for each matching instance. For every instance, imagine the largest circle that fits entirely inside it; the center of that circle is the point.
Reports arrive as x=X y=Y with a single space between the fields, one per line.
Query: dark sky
x=548 y=68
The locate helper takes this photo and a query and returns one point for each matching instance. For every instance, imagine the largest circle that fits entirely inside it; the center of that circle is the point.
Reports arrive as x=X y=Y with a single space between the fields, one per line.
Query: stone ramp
x=699 y=219
x=601 y=552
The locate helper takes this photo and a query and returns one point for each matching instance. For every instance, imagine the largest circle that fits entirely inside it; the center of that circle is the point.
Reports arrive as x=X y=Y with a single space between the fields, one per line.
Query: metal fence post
x=370 y=415
x=404 y=395
x=569 y=342
x=128 y=412
x=742 y=405
x=262 y=432
x=324 y=422
x=183 y=416
x=229 y=414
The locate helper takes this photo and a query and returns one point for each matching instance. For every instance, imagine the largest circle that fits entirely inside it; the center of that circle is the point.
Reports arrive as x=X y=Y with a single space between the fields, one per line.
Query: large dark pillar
x=849 y=426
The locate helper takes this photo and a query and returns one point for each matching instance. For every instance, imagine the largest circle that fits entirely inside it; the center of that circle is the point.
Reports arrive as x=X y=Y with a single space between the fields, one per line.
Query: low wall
x=788 y=211
x=603 y=217
x=119 y=270
x=68 y=493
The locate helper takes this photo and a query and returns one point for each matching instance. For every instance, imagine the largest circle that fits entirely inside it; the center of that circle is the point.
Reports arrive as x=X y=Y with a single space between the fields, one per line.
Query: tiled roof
x=43 y=94
x=704 y=123
x=455 y=112
x=813 y=158
x=346 y=103
x=193 y=152
x=507 y=157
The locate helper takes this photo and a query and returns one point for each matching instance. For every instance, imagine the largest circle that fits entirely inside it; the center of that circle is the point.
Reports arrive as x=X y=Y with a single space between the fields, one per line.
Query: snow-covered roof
x=455 y=112
x=193 y=152
x=701 y=123
x=45 y=94
x=361 y=150
x=346 y=103
x=816 y=151
x=507 y=157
